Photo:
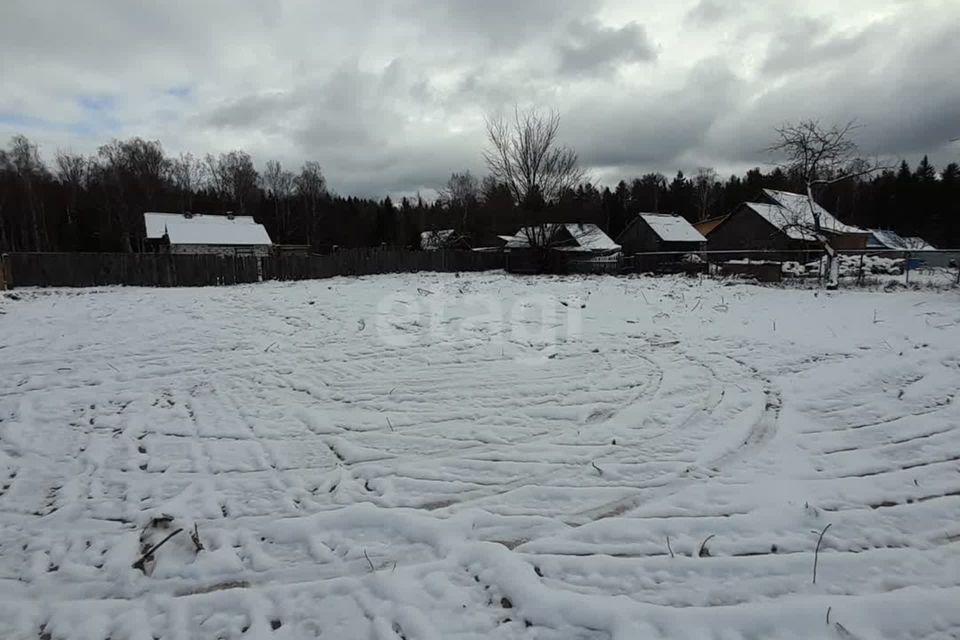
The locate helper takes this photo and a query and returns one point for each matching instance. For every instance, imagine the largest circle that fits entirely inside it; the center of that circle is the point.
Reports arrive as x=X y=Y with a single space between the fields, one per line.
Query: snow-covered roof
x=795 y=211
x=205 y=229
x=435 y=239
x=886 y=239
x=916 y=243
x=587 y=237
x=672 y=228
x=780 y=218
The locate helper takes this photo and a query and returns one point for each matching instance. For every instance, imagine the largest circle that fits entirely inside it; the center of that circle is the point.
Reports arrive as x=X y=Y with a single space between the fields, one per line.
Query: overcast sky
x=390 y=96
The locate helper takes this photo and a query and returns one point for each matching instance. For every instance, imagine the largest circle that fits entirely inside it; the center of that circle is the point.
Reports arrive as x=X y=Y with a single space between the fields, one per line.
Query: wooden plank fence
x=5 y=280
x=169 y=270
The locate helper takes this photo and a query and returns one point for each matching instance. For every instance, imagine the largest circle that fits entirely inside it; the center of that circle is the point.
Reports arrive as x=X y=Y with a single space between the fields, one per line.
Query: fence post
x=906 y=266
x=6 y=278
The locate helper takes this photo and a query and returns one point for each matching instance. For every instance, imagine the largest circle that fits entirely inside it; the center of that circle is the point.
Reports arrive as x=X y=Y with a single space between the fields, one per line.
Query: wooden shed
x=650 y=232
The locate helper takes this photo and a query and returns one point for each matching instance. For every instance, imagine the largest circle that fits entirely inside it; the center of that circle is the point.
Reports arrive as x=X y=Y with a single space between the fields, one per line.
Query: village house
x=197 y=233
x=562 y=247
x=782 y=221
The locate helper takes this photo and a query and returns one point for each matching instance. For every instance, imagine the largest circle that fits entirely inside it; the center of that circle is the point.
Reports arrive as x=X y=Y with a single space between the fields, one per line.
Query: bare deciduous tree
x=71 y=171
x=705 y=191
x=311 y=187
x=461 y=196
x=188 y=175
x=524 y=154
x=234 y=177
x=819 y=156
x=279 y=183
x=24 y=159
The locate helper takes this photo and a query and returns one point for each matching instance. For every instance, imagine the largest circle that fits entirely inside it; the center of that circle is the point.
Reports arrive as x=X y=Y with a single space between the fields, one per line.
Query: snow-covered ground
x=431 y=457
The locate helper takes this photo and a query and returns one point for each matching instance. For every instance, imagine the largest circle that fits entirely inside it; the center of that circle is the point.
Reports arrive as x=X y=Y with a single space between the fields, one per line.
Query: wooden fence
x=166 y=270
x=5 y=281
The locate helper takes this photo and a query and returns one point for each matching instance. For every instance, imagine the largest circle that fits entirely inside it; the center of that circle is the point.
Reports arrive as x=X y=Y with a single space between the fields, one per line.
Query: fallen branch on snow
x=140 y=564
x=195 y=537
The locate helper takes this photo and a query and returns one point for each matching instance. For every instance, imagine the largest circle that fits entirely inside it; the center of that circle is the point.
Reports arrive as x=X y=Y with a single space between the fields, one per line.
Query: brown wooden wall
x=746 y=229
x=168 y=270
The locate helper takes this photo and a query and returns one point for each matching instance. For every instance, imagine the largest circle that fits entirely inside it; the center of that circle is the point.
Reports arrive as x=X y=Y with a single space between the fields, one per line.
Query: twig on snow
x=599 y=470
x=372 y=570
x=195 y=537
x=816 y=553
x=389 y=424
x=829 y=609
x=704 y=552
x=139 y=564
x=669 y=548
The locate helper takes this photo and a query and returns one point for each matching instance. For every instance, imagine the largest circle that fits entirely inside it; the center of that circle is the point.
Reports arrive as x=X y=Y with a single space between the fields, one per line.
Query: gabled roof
x=781 y=219
x=795 y=212
x=588 y=237
x=205 y=229
x=672 y=228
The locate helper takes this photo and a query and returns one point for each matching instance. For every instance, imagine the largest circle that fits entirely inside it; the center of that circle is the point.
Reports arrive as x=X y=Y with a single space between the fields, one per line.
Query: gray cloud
x=390 y=96
x=709 y=12
x=589 y=47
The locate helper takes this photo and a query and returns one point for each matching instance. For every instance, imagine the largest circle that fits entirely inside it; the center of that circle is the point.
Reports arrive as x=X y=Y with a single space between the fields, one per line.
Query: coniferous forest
x=71 y=202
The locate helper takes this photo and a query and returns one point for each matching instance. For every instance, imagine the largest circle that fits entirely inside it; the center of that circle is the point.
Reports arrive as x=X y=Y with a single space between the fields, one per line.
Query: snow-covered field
x=431 y=457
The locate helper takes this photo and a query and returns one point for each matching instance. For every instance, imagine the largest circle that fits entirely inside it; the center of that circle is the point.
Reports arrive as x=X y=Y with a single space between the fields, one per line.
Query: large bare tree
x=71 y=172
x=525 y=155
x=311 y=187
x=461 y=196
x=188 y=174
x=234 y=177
x=817 y=156
x=279 y=183
x=705 y=188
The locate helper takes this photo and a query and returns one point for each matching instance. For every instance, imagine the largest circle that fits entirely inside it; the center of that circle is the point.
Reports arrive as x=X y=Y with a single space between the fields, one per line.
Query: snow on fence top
x=672 y=228
x=205 y=229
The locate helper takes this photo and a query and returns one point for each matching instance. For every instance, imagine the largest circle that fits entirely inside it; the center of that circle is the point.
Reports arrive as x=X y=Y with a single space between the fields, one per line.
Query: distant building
x=561 y=247
x=196 y=233
x=443 y=239
x=784 y=221
x=660 y=232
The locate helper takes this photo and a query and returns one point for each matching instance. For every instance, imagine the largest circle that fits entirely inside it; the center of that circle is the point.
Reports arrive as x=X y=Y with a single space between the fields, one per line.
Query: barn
x=782 y=221
x=660 y=232
x=197 y=233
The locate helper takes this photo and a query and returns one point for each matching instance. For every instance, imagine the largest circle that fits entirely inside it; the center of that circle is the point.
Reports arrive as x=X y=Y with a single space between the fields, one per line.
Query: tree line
x=96 y=202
